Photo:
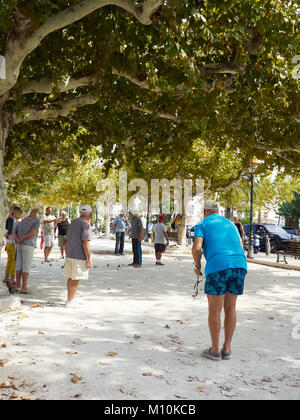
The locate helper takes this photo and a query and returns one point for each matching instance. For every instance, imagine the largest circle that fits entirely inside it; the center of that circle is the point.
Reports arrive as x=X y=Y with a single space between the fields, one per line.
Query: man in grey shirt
x=161 y=239
x=120 y=223
x=137 y=235
x=78 y=253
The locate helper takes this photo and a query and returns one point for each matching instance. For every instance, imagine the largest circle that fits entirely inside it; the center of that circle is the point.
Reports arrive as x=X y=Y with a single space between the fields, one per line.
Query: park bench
x=292 y=250
x=173 y=236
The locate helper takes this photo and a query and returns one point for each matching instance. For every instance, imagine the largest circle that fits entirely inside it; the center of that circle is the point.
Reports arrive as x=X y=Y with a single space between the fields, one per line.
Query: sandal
x=225 y=356
x=212 y=356
x=25 y=292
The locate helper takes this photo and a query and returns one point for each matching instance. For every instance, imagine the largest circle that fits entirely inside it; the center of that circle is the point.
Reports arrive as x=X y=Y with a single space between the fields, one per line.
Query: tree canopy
x=134 y=76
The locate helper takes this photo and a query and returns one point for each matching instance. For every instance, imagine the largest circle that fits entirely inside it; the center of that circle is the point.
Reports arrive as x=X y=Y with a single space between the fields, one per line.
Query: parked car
x=292 y=231
x=278 y=237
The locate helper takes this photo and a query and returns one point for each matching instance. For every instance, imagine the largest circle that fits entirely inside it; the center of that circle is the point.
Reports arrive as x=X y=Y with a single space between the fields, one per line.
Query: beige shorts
x=76 y=269
x=61 y=240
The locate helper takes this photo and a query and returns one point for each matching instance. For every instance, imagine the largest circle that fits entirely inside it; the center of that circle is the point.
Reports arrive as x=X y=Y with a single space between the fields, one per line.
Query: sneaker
x=137 y=265
x=69 y=304
x=159 y=263
x=118 y=255
x=61 y=258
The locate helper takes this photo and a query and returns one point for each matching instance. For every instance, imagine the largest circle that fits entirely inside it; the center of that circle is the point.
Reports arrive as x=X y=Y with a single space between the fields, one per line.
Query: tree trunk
x=181 y=225
x=4 y=203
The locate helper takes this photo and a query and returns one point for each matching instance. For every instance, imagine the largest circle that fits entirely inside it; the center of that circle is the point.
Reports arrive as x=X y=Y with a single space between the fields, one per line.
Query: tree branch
x=22 y=40
x=164 y=115
x=52 y=111
x=47 y=86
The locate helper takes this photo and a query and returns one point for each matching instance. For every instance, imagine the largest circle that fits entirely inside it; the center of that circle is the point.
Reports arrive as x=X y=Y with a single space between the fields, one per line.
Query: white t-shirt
x=159 y=230
x=48 y=228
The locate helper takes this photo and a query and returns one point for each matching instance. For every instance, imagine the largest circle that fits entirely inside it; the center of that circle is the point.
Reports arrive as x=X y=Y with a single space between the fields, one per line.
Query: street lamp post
x=250 y=177
x=250 y=247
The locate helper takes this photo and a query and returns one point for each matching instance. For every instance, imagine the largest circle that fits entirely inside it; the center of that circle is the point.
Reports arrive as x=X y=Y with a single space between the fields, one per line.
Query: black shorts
x=160 y=248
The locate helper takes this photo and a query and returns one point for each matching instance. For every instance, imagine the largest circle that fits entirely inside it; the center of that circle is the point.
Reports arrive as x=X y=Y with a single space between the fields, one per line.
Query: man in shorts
x=62 y=226
x=78 y=253
x=225 y=271
x=47 y=222
x=161 y=239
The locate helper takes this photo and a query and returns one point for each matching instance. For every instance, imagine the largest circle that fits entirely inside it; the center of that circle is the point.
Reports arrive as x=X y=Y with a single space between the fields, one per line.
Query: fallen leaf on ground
x=104 y=364
x=3 y=362
x=148 y=374
x=25 y=397
x=70 y=353
x=267 y=379
x=179 y=321
x=76 y=378
x=166 y=326
x=36 y=305
x=3 y=345
x=4 y=385
x=200 y=388
x=76 y=395
x=137 y=336
x=13 y=396
x=41 y=332
x=23 y=316
x=112 y=353
x=78 y=341
x=271 y=318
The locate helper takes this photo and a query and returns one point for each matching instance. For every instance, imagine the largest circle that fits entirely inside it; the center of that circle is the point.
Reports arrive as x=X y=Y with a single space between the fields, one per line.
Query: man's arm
x=197 y=254
x=29 y=235
x=142 y=232
x=87 y=250
x=167 y=238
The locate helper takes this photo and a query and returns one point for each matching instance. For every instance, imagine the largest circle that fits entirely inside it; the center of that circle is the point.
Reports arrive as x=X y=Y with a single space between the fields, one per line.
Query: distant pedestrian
x=78 y=253
x=47 y=222
x=25 y=238
x=240 y=228
x=62 y=226
x=161 y=239
x=137 y=236
x=225 y=271
x=120 y=224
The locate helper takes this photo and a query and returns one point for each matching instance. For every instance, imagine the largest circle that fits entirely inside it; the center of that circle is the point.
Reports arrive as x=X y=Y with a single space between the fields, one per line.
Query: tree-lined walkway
x=138 y=334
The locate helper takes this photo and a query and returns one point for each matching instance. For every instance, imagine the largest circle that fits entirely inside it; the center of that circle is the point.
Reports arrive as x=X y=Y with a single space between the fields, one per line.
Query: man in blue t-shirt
x=226 y=267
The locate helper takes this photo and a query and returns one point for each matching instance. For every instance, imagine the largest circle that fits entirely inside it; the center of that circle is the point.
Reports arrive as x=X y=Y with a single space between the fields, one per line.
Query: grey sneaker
x=159 y=263
x=212 y=356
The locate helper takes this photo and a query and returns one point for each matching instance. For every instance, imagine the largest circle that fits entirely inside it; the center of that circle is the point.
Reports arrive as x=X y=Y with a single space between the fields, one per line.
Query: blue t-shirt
x=222 y=245
x=120 y=223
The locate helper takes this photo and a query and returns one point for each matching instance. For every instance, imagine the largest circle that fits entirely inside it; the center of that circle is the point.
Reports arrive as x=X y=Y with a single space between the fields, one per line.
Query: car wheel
x=273 y=246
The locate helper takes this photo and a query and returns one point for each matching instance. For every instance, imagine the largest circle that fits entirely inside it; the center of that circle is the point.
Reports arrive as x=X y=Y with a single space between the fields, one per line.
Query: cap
x=86 y=209
x=161 y=218
x=211 y=205
x=131 y=211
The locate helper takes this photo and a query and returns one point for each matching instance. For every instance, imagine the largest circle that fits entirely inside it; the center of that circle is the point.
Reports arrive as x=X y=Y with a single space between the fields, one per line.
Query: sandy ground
x=138 y=334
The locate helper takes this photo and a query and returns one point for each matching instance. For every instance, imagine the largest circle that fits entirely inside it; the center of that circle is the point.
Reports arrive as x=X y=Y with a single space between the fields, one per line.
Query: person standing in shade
x=25 y=238
x=10 y=271
x=78 y=253
x=225 y=270
x=240 y=228
x=161 y=239
x=120 y=224
x=137 y=236
x=47 y=222
x=62 y=227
